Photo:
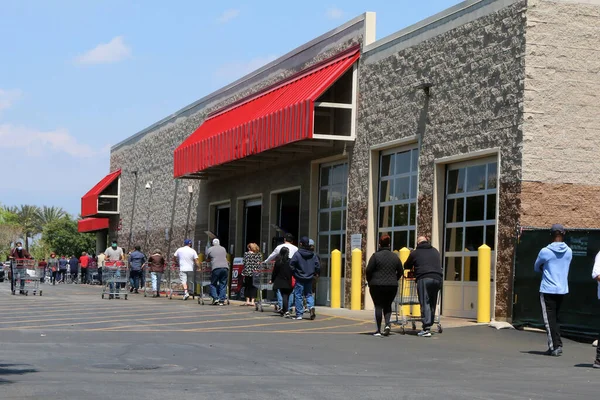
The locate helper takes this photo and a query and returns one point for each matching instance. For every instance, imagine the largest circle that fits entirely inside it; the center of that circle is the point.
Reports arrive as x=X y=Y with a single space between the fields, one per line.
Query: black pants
x=383 y=297
x=84 y=277
x=551 y=304
x=74 y=277
x=285 y=299
x=62 y=275
x=54 y=273
x=428 y=289
x=249 y=288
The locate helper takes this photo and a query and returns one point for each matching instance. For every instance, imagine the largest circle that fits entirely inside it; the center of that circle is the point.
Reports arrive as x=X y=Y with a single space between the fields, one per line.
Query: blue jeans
x=134 y=279
x=280 y=299
x=111 y=285
x=303 y=288
x=218 y=284
x=156 y=278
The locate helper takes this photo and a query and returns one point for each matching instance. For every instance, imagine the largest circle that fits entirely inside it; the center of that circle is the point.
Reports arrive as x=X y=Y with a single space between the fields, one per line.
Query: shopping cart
x=406 y=303
x=175 y=287
x=115 y=276
x=93 y=274
x=26 y=275
x=203 y=274
x=262 y=281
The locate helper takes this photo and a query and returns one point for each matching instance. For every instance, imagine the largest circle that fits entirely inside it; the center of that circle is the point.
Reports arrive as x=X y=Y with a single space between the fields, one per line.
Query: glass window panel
x=456 y=181
x=491 y=207
x=345 y=197
x=385 y=217
x=413 y=214
x=399 y=240
x=490 y=236
x=385 y=193
x=336 y=198
x=402 y=188
x=475 y=208
x=476 y=178
x=343 y=249
x=454 y=239
x=325 y=176
x=401 y=215
x=387 y=165
x=336 y=220
x=470 y=273
x=411 y=239
x=339 y=174
x=415 y=159
x=492 y=176
x=336 y=242
x=324 y=263
x=344 y=220
x=323 y=244
x=403 y=162
x=455 y=210
x=324 y=222
x=473 y=237
x=324 y=199
x=453 y=268
x=413 y=186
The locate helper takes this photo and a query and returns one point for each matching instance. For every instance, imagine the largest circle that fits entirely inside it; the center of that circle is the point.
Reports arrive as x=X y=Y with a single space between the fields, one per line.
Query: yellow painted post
x=356 y=287
x=414 y=310
x=336 y=279
x=404 y=253
x=484 y=272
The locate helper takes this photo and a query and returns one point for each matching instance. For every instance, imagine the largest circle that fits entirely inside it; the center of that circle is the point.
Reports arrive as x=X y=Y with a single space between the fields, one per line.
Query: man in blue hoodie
x=553 y=262
x=305 y=266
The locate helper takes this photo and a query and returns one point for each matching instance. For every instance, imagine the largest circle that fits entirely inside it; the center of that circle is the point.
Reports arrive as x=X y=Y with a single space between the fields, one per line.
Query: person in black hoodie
x=282 y=279
x=383 y=273
x=305 y=267
x=427 y=264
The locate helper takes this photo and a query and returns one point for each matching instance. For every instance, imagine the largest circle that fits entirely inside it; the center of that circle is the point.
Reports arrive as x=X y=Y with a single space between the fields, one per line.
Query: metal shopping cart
x=262 y=281
x=203 y=283
x=407 y=304
x=26 y=275
x=115 y=276
x=174 y=281
x=93 y=277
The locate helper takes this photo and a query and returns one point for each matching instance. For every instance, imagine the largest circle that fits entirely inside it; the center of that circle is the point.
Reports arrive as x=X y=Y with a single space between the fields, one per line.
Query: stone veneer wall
x=150 y=153
x=561 y=166
x=477 y=72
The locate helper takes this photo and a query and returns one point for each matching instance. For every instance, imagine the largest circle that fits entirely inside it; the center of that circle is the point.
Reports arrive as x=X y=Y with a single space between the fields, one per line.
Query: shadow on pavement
x=535 y=352
x=9 y=369
x=583 y=365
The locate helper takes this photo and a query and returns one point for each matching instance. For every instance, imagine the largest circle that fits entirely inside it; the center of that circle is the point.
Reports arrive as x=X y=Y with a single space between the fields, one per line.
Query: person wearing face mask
x=114 y=253
x=18 y=253
x=53 y=267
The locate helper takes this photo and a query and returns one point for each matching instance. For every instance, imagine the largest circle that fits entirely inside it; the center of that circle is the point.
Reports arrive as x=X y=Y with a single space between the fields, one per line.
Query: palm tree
x=28 y=220
x=49 y=214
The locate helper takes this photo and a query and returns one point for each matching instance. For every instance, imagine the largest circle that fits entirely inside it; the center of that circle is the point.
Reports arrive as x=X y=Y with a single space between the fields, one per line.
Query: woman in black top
x=383 y=273
x=252 y=261
x=282 y=279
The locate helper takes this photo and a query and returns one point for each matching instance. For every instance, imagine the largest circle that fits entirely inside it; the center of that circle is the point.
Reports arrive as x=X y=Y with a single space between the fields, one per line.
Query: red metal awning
x=92 y=224
x=89 y=202
x=276 y=116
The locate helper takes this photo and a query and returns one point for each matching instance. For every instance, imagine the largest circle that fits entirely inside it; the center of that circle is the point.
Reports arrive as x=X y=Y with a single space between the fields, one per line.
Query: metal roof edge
x=243 y=79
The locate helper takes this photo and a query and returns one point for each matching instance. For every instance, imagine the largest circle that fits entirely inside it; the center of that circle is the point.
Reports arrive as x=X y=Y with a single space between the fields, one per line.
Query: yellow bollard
x=336 y=279
x=403 y=254
x=356 y=287
x=201 y=258
x=414 y=310
x=484 y=272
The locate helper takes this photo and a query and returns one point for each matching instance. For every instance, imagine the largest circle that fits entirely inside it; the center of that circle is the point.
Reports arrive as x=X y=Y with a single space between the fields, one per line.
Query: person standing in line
x=84 y=261
x=186 y=258
x=282 y=279
x=18 y=253
x=217 y=255
x=136 y=265
x=43 y=265
x=73 y=268
x=288 y=242
x=113 y=254
x=427 y=264
x=252 y=263
x=305 y=267
x=596 y=277
x=100 y=263
x=554 y=262
x=62 y=269
x=53 y=267
x=383 y=273
x=156 y=264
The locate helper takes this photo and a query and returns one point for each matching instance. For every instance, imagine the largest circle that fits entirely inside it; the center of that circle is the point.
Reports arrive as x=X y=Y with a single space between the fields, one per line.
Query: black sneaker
x=130 y=290
x=554 y=353
x=136 y=291
x=313 y=315
x=596 y=364
x=386 y=330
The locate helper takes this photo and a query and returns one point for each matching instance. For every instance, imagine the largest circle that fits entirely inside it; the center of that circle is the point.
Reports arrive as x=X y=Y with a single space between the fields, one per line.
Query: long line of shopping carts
x=407 y=306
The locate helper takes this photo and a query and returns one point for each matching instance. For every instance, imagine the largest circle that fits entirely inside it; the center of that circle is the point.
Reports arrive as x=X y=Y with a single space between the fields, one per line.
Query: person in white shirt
x=186 y=258
x=596 y=276
x=287 y=242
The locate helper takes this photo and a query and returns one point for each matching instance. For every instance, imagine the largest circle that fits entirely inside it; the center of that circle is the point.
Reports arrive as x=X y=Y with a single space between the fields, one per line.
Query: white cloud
x=8 y=97
x=235 y=70
x=334 y=13
x=106 y=53
x=34 y=142
x=228 y=15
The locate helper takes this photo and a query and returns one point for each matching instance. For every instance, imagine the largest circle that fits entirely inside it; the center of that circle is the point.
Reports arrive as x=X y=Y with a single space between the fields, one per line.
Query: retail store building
x=462 y=127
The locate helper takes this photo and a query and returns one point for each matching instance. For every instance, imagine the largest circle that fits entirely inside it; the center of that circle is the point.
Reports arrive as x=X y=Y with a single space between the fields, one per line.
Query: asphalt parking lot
x=71 y=344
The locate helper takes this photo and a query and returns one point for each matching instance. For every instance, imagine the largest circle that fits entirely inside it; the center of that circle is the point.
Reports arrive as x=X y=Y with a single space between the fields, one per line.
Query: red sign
x=236 y=275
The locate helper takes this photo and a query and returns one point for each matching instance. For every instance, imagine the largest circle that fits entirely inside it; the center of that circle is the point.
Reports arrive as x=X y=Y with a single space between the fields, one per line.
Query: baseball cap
x=187 y=242
x=304 y=240
x=311 y=242
x=557 y=228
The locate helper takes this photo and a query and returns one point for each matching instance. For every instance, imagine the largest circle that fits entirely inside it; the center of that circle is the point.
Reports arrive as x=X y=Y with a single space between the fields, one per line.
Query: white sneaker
x=377 y=334
x=186 y=296
x=299 y=318
x=424 y=334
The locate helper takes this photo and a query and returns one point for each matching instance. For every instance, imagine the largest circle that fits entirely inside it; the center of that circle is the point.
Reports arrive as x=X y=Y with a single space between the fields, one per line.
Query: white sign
x=166 y=233
x=199 y=245
x=356 y=241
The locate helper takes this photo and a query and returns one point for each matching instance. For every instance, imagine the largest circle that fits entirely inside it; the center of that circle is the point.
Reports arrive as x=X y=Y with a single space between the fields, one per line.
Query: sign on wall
x=356 y=241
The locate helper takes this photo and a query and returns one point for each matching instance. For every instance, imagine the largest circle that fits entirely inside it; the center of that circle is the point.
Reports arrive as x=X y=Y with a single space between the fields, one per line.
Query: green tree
x=10 y=231
x=49 y=214
x=28 y=220
x=62 y=237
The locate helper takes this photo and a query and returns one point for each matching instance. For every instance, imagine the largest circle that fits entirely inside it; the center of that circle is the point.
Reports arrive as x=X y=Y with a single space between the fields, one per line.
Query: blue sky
x=77 y=77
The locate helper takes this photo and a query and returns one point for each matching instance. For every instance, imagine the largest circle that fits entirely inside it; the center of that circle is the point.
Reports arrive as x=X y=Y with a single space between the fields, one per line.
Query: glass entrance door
x=252 y=222
x=221 y=228
x=470 y=221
